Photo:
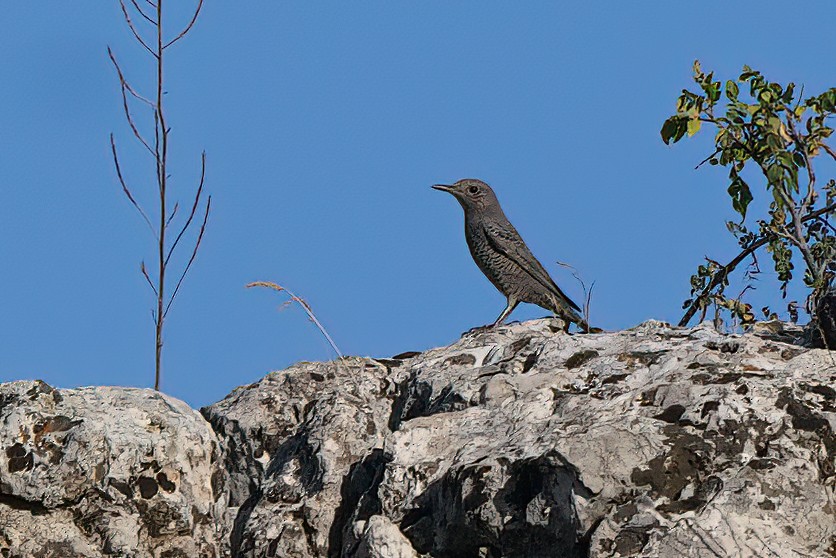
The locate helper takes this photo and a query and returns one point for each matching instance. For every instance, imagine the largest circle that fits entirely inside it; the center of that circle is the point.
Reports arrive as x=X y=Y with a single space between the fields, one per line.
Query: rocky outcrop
x=106 y=472
x=520 y=441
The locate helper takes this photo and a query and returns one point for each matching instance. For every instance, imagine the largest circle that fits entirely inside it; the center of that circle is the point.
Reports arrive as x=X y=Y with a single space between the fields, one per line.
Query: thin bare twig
x=134 y=30
x=826 y=223
x=194 y=253
x=588 y=305
x=124 y=81
x=587 y=295
x=305 y=306
x=188 y=27
x=126 y=189
x=124 y=86
x=707 y=159
x=131 y=123
x=194 y=207
x=743 y=292
x=145 y=274
x=142 y=13
x=173 y=213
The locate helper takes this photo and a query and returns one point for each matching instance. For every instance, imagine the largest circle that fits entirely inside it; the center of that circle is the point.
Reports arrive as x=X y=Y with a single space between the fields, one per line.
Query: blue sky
x=325 y=125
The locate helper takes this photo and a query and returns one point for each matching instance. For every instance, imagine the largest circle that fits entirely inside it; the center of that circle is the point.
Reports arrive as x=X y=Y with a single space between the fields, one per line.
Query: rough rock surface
x=516 y=442
x=106 y=472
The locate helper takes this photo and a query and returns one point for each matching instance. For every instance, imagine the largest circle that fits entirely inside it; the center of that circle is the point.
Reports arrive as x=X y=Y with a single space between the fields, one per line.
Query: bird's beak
x=444 y=188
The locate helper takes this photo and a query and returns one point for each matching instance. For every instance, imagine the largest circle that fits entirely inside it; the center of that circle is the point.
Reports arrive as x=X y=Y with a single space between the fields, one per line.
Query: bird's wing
x=507 y=241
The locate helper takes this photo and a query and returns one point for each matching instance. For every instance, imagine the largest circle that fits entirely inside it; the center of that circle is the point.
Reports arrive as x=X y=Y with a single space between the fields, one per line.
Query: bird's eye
x=473 y=189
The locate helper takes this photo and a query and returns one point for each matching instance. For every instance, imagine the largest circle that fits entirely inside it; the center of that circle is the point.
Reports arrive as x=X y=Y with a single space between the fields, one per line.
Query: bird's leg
x=508 y=309
x=512 y=303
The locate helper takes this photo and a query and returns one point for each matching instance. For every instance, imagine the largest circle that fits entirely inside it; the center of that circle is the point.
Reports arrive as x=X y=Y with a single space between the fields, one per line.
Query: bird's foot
x=478 y=329
x=487 y=327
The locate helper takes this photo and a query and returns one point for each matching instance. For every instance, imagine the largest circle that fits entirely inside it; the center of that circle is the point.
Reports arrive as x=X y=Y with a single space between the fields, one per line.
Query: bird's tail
x=571 y=316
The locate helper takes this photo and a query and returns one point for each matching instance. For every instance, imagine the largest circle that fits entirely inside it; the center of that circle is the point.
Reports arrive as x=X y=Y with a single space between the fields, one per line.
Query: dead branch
x=173 y=213
x=188 y=27
x=159 y=151
x=124 y=81
x=147 y=278
x=133 y=29
x=142 y=13
x=194 y=207
x=587 y=306
x=126 y=189
x=124 y=87
x=194 y=254
x=587 y=294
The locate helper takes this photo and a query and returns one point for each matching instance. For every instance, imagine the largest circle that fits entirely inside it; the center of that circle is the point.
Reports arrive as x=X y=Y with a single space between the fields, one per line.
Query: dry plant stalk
x=150 y=14
x=305 y=306
x=587 y=295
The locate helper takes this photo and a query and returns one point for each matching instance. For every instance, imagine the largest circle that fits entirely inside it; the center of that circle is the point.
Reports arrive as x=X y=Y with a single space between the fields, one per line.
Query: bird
x=502 y=255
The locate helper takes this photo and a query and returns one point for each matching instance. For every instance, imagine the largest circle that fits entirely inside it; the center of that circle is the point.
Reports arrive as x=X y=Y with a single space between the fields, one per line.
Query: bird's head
x=473 y=194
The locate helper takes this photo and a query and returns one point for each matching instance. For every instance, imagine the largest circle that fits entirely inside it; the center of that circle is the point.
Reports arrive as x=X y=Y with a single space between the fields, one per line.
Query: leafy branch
x=768 y=126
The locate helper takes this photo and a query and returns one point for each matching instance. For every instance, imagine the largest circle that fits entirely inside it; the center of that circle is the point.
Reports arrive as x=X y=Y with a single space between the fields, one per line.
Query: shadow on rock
x=523 y=508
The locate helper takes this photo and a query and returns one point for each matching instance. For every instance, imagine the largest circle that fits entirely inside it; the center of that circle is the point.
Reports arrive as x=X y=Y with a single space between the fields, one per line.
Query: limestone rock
x=106 y=472
x=524 y=441
x=520 y=441
x=380 y=538
x=306 y=442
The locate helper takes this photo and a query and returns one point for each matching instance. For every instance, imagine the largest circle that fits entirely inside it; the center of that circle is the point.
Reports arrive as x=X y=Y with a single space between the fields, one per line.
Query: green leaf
x=740 y=194
x=712 y=90
x=694 y=126
x=732 y=91
x=785 y=160
x=798 y=159
x=669 y=129
x=748 y=73
x=788 y=93
x=774 y=173
x=674 y=128
x=681 y=128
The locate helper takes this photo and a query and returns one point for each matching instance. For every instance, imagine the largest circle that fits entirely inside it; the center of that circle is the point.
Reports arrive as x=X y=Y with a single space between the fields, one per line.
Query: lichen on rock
x=106 y=471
